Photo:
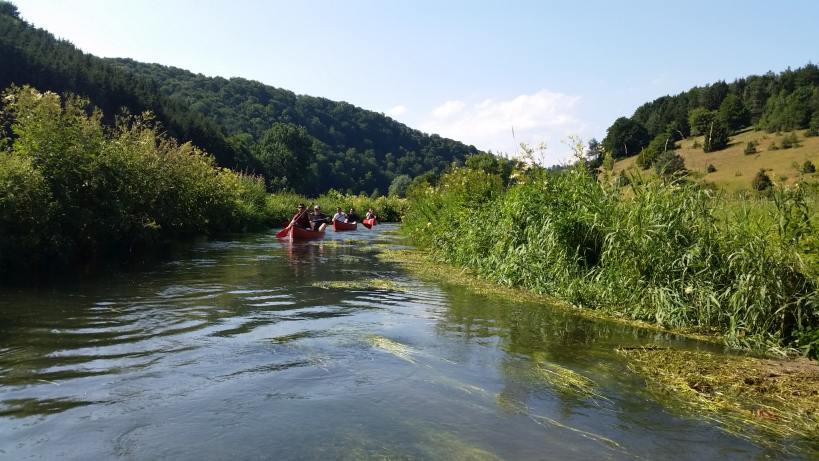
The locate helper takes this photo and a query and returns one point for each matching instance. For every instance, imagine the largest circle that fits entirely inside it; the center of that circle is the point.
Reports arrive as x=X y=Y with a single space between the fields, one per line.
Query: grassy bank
x=670 y=253
x=73 y=190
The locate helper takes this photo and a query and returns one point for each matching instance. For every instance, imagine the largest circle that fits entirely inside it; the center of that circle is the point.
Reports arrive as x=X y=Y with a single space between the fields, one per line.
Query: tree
x=733 y=113
x=399 y=186
x=716 y=138
x=283 y=153
x=700 y=119
x=663 y=142
x=594 y=154
x=813 y=127
x=9 y=9
x=712 y=95
x=625 y=137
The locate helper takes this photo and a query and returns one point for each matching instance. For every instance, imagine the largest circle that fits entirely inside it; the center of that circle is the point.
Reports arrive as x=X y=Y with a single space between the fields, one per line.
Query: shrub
x=773 y=146
x=111 y=191
x=808 y=167
x=25 y=211
x=669 y=164
x=790 y=140
x=761 y=181
x=750 y=147
x=622 y=180
x=710 y=168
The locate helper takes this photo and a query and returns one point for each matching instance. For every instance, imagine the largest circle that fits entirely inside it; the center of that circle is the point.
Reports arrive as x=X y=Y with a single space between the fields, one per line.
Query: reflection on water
x=257 y=347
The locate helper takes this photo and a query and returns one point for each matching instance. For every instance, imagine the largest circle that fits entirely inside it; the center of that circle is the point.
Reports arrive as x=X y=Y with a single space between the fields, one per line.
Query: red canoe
x=297 y=233
x=344 y=226
x=370 y=222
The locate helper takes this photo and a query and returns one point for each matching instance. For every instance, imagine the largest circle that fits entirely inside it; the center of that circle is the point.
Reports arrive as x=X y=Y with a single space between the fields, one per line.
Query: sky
x=476 y=71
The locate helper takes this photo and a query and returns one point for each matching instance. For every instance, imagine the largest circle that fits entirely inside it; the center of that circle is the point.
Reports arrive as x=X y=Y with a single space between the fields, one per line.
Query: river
x=253 y=348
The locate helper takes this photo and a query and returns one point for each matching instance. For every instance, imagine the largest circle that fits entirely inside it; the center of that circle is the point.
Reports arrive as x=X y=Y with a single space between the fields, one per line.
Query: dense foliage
x=71 y=189
x=350 y=149
x=773 y=102
x=663 y=251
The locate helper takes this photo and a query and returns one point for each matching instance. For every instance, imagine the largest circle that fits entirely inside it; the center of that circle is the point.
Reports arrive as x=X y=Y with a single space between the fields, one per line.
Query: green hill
x=781 y=102
x=297 y=142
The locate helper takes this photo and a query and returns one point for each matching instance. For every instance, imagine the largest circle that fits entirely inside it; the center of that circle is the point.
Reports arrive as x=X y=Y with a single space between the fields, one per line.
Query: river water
x=242 y=348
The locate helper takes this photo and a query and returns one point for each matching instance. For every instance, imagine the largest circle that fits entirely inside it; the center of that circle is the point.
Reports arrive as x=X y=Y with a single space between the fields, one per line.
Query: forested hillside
x=772 y=102
x=297 y=142
x=358 y=149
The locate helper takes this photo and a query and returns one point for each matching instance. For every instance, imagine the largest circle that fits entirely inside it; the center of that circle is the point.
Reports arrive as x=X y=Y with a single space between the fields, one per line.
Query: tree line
x=785 y=101
x=301 y=143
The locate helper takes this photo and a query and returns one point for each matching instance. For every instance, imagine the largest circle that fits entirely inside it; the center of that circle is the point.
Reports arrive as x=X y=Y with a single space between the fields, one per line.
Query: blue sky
x=470 y=70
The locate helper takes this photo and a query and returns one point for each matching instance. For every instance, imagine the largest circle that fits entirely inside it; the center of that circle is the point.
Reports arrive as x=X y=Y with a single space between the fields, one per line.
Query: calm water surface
x=230 y=350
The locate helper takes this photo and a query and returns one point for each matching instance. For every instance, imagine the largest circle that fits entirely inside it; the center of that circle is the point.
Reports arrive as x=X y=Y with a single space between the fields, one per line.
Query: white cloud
x=542 y=116
x=448 y=109
x=397 y=111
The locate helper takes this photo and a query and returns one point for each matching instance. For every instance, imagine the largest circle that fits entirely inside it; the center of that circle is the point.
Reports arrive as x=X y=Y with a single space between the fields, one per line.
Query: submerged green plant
x=397 y=349
x=368 y=284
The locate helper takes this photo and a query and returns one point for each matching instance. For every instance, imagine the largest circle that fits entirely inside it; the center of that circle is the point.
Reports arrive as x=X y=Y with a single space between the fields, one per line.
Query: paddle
x=283 y=233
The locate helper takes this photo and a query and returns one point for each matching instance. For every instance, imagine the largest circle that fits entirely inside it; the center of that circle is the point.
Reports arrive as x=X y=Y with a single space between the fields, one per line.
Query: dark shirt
x=317 y=219
x=352 y=217
x=302 y=221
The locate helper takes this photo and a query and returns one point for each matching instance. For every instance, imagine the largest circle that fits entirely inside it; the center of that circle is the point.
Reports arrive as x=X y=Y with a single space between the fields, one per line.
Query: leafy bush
x=761 y=181
x=710 y=168
x=91 y=191
x=669 y=164
x=26 y=211
x=750 y=147
x=808 y=167
x=790 y=140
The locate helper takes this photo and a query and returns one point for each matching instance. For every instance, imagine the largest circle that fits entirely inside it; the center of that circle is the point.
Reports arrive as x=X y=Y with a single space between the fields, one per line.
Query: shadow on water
x=316 y=350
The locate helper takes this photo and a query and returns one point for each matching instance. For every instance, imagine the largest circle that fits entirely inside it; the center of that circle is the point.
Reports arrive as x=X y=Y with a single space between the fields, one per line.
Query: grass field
x=735 y=170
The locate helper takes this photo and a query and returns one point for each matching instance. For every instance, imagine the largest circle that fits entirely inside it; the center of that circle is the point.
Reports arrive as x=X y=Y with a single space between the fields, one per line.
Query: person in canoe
x=340 y=216
x=370 y=214
x=301 y=218
x=318 y=219
x=352 y=217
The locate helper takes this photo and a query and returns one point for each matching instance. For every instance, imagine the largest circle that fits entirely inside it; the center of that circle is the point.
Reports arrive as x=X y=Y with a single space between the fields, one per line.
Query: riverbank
x=764 y=400
x=426 y=268
x=668 y=251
